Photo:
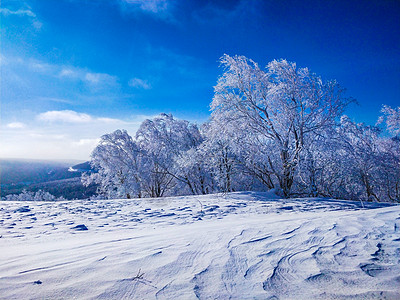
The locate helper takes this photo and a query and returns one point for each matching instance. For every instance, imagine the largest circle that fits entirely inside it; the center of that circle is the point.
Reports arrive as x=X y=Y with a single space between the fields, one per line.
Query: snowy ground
x=235 y=246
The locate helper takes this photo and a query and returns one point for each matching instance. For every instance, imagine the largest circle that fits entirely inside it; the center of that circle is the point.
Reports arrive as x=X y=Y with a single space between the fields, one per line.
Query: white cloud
x=91 y=78
x=16 y=125
x=42 y=146
x=99 y=78
x=3 y=60
x=92 y=143
x=65 y=72
x=37 y=24
x=72 y=135
x=161 y=9
x=23 y=13
x=96 y=81
x=40 y=67
x=154 y=6
x=47 y=136
x=57 y=100
x=68 y=116
x=139 y=83
x=110 y=120
x=19 y=12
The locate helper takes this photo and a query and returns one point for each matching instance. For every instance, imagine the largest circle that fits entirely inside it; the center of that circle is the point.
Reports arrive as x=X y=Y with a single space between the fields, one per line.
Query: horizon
x=72 y=71
x=43 y=160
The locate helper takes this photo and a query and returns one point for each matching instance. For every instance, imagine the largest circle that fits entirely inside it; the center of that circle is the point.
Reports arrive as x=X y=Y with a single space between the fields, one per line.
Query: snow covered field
x=235 y=246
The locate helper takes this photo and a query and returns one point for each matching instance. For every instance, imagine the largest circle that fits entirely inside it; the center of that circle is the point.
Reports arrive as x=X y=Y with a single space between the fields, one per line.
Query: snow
x=224 y=246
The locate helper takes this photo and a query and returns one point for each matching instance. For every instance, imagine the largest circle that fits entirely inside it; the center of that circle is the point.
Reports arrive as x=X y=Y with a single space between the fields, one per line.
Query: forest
x=278 y=128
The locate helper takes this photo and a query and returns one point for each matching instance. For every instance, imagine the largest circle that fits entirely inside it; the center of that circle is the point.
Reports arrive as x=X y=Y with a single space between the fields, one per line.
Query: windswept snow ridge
x=234 y=246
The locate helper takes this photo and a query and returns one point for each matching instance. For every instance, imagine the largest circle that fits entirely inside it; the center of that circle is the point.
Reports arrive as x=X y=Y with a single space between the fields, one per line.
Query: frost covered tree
x=361 y=151
x=156 y=163
x=219 y=159
x=275 y=128
x=319 y=168
x=372 y=168
x=25 y=195
x=193 y=165
x=170 y=144
x=390 y=168
x=280 y=107
x=118 y=160
x=354 y=161
x=223 y=158
x=391 y=118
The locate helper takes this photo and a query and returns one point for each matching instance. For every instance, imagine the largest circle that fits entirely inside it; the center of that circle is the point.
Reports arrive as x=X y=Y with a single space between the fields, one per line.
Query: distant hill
x=83 y=167
x=55 y=177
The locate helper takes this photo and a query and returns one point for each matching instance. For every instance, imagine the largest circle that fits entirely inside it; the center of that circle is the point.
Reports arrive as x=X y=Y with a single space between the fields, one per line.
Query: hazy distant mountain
x=56 y=177
x=82 y=167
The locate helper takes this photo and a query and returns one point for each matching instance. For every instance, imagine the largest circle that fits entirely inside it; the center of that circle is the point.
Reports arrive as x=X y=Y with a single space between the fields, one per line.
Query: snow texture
x=225 y=246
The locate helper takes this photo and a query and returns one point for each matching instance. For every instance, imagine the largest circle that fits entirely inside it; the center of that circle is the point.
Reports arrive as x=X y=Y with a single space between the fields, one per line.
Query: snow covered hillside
x=233 y=246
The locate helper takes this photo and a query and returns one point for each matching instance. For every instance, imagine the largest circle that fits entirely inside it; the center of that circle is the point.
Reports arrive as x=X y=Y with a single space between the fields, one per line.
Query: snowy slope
x=235 y=246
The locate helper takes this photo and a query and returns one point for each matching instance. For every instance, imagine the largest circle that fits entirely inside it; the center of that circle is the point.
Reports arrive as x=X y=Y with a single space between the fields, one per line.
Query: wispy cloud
x=88 y=77
x=72 y=135
x=56 y=100
x=41 y=67
x=23 y=13
x=3 y=60
x=68 y=116
x=139 y=83
x=47 y=136
x=154 y=6
x=66 y=72
x=86 y=143
x=161 y=9
x=19 y=12
x=109 y=120
x=98 y=78
x=94 y=80
x=16 y=125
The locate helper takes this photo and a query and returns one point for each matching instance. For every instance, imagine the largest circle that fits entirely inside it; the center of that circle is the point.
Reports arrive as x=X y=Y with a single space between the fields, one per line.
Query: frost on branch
x=391 y=118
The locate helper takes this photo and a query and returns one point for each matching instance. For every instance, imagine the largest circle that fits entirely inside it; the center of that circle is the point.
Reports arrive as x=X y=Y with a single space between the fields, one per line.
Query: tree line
x=281 y=127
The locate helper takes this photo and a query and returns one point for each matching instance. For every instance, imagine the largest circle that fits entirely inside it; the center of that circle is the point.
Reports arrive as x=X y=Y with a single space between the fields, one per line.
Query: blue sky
x=73 y=70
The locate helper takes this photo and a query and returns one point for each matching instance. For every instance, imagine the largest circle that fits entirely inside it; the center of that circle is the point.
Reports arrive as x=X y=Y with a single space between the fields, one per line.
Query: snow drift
x=233 y=246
